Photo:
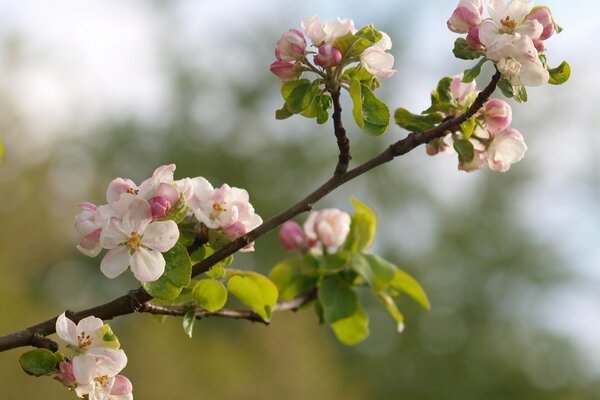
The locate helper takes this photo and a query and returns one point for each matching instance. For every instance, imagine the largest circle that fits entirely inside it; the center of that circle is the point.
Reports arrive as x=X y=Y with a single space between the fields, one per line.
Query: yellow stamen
x=509 y=24
x=135 y=240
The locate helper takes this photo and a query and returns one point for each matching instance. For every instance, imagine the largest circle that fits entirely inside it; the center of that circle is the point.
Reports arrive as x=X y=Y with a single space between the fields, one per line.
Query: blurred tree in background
x=481 y=268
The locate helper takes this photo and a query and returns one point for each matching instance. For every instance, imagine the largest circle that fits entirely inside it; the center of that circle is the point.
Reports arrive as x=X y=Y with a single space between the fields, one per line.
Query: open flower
x=329 y=226
x=321 y=34
x=376 y=60
x=507 y=148
x=88 y=224
x=137 y=241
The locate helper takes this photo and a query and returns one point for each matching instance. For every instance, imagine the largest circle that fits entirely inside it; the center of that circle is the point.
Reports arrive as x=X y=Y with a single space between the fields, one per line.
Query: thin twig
x=136 y=299
x=340 y=134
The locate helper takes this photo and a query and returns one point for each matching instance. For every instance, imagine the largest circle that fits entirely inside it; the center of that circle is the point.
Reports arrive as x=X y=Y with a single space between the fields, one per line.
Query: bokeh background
x=91 y=90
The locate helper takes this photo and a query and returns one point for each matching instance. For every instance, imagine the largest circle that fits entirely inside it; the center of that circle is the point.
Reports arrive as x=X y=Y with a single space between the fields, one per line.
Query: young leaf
x=110 y=338
x=178 y=266
x=283 y=113
x=187 y=233
x=188 y=322
x=325 y=104
x=470 y=74
x=520 y=94
x=353 y=329
x=560 y=74
x=38 y=362
x=370 y=113
x=210 y=294
x=506 y=88
x=254 y=290
x=162 y=289
x=178 y=212
x=337 y=298
x=299 y=94
x=359 y=74
x=391 y=307
x=463 y=51
x=416 y=123
x=406 y=283
x=362 y=229
x=376 y=271
x=289 y=279
x=468 y=127
x=465 y=150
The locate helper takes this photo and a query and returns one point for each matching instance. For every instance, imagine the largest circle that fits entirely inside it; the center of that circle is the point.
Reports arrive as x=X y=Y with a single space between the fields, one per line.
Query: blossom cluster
x=139 y=223
x=327 y=39
x=328 y=227
x=512 y=36
x=489 y=140
x=92 y=367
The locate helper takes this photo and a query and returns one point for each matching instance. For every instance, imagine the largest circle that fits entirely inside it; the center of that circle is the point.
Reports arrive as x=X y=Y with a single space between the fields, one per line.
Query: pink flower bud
x=291 y=236
x=159 y=207
x=66 y=376
x=330 y=226
x=460 y=90
x=121 y=386
x=473 y=39
x=291 y=46
x=544 y=17
x=328 y=56
x=466 y=16
x=497 y=114
x=285 y=71
x=539 y=45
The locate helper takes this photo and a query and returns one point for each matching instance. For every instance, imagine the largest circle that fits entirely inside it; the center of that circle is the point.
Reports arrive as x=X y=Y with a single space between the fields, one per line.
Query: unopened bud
x=291 y=46
x=159 y=207
x=544 y=17
x=328 y=56
x=291 y=236
x=285 y=71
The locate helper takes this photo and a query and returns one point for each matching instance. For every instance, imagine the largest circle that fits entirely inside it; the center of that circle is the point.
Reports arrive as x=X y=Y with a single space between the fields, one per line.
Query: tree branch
x=136 y=300
x=340 y=134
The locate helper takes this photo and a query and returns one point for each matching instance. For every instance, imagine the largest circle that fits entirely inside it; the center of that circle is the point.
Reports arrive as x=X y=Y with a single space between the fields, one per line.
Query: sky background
x=82 y=62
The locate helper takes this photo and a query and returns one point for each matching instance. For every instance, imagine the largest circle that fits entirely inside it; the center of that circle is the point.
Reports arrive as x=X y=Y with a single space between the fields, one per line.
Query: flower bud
x=461 y=91
x=328 y=56
x=159 y=207
x=291 y=236
x=330 y=226
x=121 y=386
x=497 y=114
x=466 y=16
x=507 y=148
x=291 y=46
x=473 y=39
x=544 y=17
x=66 y=376
x=285 y=71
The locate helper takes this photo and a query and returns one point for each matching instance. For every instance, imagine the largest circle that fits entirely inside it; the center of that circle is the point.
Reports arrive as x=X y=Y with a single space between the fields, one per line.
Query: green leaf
x=443 y=93
x=299 y=94
x=409 y=285
x=283 y=112
x=506 y=88
x=351 y=45
x=187 y=233
x=217 y=239
x=470 y=74
x=468 y=127
x=162 y=289
x=465 y=150
x=370 y=113
x=362 y=229
x=216 y=271
x=520 y=94
x=353 y=329
x=558 y=75
x=188 y=322
x=110 y=338
x=38 y=362
x=338 y=299
x=322 y=114
x=391 y=307
x=463 y=51
x=178 y=266
x=254 y=290
x=359 y=74
x=210 y=294
x=376 y=271
x=178 y=212
x=416 y=123
x=289 y=279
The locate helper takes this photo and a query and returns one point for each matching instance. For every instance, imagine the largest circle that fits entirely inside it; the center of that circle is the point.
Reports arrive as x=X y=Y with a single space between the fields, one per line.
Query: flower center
x=102 y=380
x=509 y=24
x=85 y=341
x=509 y=67
x=133 y=191
x=135 y=240
x=218 y=208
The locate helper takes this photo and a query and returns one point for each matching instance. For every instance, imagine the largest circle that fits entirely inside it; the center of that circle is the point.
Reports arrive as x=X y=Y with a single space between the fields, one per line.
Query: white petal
x=314 y=30
x=531 y=28
x=496 y=9
x=309 y=225
x=202 y=191
x=488 y=32
x=113 y=234
x=117 y=187
x=147 y=265
x=84 y=368
x=169 y=192
x=161 y=235
x=115 y=262
x=138 y=216
x=109 y=362
x=66 y=329
x=91 y=326
x=518 y=9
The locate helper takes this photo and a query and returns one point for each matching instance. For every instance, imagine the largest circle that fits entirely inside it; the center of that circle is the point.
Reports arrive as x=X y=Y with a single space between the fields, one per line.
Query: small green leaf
x=376 y=271
x=362 y=229
x=468 y=127
x=443 y=93
x=299 y=94
x=162 y=289
x=560 y=74
x=38 y=362
x=188 y=322
x=178 y=212
x=178 y=266
x=470 y=74
x=370 y=113
x=110 y=338
x=254 y=290
x=216 y=271
x=322 y=114
x=463 y=51
x=210 y=294
x=353 y=329
x=351 y=45
x=187 y=233
x=338 y=299
x=406 y=283
x=520 y=94
x=465 y=150
x=283 y=112
x=217 y=239
x=391 y=307
x=359 y=74
x=506 y=88
x=416 y=123
x=289 y=279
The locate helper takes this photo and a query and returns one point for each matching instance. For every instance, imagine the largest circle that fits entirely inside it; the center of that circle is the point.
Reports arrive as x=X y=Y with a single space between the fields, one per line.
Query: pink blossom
x=159 y=206
x=507 y=147
x=466 y=16
x=328 y=56
x=544 y=17
x=497 y=115
x=285 y=71
x=291 y=46
x=377 y=61
x=473 y=39
x=88 y=223
x=66 y=376
x=291 y=236
x=327 y=33
x=461 y=91
x=329 y=226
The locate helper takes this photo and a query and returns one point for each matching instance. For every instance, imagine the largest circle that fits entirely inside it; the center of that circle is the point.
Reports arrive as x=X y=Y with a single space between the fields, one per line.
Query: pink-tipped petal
x=115 y=262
